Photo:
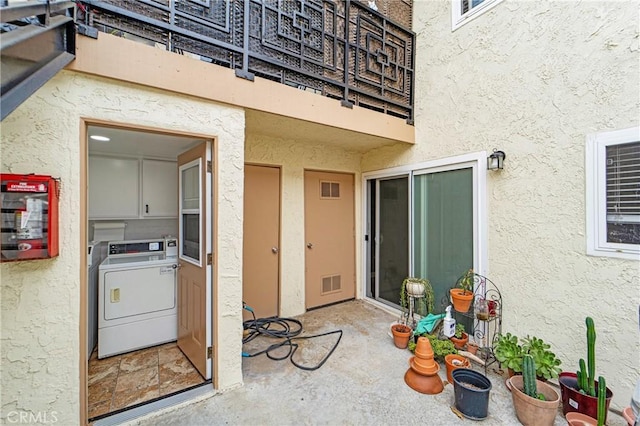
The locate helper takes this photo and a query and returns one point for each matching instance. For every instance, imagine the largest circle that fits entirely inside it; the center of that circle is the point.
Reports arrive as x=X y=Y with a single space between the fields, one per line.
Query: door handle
x=177 y=266
x=309 y=245
x=274 y=250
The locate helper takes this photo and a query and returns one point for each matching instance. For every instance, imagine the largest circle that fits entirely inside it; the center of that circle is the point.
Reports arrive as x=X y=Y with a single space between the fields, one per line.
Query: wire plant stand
x=483 y=320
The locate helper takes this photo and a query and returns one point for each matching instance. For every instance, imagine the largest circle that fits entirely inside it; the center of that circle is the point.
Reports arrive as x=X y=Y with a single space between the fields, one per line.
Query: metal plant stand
x=483 y=321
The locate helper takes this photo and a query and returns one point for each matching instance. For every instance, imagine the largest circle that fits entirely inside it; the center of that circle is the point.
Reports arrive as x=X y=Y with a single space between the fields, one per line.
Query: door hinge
x=209 y=258
x=209 y=167
x=209 y=352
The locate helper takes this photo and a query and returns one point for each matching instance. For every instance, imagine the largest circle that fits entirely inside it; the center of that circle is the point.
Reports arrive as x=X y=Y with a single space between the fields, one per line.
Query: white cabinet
x=159 y=188
x=131 y=188
x=113 y=188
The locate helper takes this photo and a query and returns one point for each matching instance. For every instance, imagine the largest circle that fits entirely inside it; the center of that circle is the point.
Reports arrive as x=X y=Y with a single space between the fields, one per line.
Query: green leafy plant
x=465 y=282
x=441 y=348
x=459 y=330
x=510 y=351
x=547 y=365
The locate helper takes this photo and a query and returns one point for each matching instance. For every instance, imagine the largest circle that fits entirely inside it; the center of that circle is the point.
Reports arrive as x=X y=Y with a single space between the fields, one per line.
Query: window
x=613 y=193
x=463 y=11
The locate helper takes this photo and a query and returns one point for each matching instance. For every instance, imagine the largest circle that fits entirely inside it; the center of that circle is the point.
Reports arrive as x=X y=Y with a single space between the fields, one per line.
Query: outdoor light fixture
x=496 y=160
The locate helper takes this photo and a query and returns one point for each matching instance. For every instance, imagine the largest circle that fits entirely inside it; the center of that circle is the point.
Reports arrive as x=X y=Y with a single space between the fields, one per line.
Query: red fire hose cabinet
x=29 y=217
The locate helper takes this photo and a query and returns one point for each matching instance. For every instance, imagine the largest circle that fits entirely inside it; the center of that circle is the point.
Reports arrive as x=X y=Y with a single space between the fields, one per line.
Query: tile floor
x=124 y=380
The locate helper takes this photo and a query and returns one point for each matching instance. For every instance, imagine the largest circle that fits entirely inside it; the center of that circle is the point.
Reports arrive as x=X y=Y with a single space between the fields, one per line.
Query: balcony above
x=341 y=50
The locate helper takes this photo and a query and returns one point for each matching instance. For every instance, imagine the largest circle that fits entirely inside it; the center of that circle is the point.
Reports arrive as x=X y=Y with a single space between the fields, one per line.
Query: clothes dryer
x=137 y=297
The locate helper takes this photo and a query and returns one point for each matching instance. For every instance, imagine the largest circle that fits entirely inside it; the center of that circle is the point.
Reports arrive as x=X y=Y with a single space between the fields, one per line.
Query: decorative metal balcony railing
x=339 y=49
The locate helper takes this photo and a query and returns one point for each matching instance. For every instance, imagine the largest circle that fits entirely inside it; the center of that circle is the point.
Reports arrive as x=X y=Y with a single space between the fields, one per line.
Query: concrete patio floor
x=361 y=383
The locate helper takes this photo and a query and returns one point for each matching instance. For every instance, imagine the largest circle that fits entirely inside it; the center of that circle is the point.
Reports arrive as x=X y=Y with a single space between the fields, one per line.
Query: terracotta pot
x=579 y=419
x=453 y=361
x=459 y=343
x=533 y=411
x=472 y=348
x=573 y=400
x=401 y=335
x=460 y=299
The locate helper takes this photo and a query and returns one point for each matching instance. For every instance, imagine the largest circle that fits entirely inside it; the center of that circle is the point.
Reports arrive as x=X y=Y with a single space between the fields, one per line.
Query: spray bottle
x=449 y=326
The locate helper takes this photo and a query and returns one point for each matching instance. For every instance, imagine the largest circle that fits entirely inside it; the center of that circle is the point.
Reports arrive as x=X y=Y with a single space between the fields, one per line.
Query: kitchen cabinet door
x=159 y=188
x=113 y=188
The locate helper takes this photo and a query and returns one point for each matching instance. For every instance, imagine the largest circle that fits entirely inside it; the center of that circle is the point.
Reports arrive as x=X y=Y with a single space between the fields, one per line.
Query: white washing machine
x=137 y=297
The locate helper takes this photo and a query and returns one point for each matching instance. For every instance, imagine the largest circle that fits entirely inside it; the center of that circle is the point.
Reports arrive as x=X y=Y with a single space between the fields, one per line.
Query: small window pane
x=191 y=188
x=623 y=193
x=191 y=236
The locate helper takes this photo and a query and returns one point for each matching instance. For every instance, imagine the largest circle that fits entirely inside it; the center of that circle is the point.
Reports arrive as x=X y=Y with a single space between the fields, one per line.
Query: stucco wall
x=532 y=79
x=40 y=299
x=294 y=157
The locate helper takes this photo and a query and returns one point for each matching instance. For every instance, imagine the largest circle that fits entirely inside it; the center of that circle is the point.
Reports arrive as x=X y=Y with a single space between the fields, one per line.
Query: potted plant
x=422 y=291
x=534 y=401
x=401 y=335
x=460 y=338
x=462 y=293
x=580 y=390
x=509 y=351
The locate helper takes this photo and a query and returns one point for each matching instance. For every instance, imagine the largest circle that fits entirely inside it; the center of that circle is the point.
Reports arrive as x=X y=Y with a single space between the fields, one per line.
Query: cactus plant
x=602 y=399
x=529 y=376
x=587 y=377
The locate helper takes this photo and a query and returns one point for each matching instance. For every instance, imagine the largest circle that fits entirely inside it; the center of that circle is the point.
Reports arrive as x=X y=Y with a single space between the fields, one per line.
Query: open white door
x=195 y=256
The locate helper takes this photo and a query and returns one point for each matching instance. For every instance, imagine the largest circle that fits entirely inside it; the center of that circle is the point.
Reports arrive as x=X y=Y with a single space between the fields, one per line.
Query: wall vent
x=331 y=284
x=329 y=189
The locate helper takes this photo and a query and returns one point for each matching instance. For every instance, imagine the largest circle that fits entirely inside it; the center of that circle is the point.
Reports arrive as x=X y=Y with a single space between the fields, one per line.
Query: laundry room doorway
x=150 y=213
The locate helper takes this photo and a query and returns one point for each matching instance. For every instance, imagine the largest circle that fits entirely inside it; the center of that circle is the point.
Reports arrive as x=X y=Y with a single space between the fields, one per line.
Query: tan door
x=260 y=272
x=330 y=238
x=194 y=283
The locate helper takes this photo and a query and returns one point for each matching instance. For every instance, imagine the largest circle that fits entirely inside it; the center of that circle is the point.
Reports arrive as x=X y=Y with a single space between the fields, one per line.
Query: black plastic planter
x=471 y=391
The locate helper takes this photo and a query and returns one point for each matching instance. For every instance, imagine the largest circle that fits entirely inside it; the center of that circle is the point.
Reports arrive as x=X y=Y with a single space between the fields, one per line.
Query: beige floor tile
x=138 y=360
x=126 y=399
x=101 y=371
x=99 y=408
x=137 y=380
x=169 y=354
x=101 y=390
x=180 y=382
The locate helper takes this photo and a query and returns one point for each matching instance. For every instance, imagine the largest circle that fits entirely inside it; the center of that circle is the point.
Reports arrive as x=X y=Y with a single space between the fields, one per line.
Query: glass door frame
x=476 y=161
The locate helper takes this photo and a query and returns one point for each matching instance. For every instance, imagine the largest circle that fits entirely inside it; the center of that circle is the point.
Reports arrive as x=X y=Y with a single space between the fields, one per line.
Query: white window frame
x=458 y=19
x=596 y=196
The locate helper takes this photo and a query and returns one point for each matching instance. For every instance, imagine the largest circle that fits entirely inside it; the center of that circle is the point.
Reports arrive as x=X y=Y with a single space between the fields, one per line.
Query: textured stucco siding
x=41 y=299
x=294 y=157
x=533 y=78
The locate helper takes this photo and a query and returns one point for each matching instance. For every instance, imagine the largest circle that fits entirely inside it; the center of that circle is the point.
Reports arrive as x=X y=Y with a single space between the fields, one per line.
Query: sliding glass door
x=442 y=228
x=391 y=237
x=426 y=224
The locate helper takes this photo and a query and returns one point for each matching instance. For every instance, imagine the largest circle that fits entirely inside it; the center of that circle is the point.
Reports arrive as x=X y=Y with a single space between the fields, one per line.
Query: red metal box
x=29 y=227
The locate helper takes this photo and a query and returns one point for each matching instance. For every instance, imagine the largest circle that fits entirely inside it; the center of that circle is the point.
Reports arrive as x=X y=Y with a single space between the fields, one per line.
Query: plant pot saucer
x=578 y=419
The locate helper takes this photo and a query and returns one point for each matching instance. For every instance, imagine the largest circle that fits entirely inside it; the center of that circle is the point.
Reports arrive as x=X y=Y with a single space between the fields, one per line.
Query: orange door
x=260 y=272
x=329 y=238
x=194 y=273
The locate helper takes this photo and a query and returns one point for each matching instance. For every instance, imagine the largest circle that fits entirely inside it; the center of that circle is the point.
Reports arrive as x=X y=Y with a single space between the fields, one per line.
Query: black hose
x=282 y=328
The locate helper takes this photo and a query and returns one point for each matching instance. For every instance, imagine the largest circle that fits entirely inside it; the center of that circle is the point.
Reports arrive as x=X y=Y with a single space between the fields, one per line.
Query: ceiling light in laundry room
x=100 y=138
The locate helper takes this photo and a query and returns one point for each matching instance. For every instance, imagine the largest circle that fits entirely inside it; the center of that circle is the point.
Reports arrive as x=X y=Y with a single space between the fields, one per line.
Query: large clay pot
x=573 y=400
x=401 y=335
x=460 y=299
x=533 y=411
x=453 y=361
x=471 y=391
